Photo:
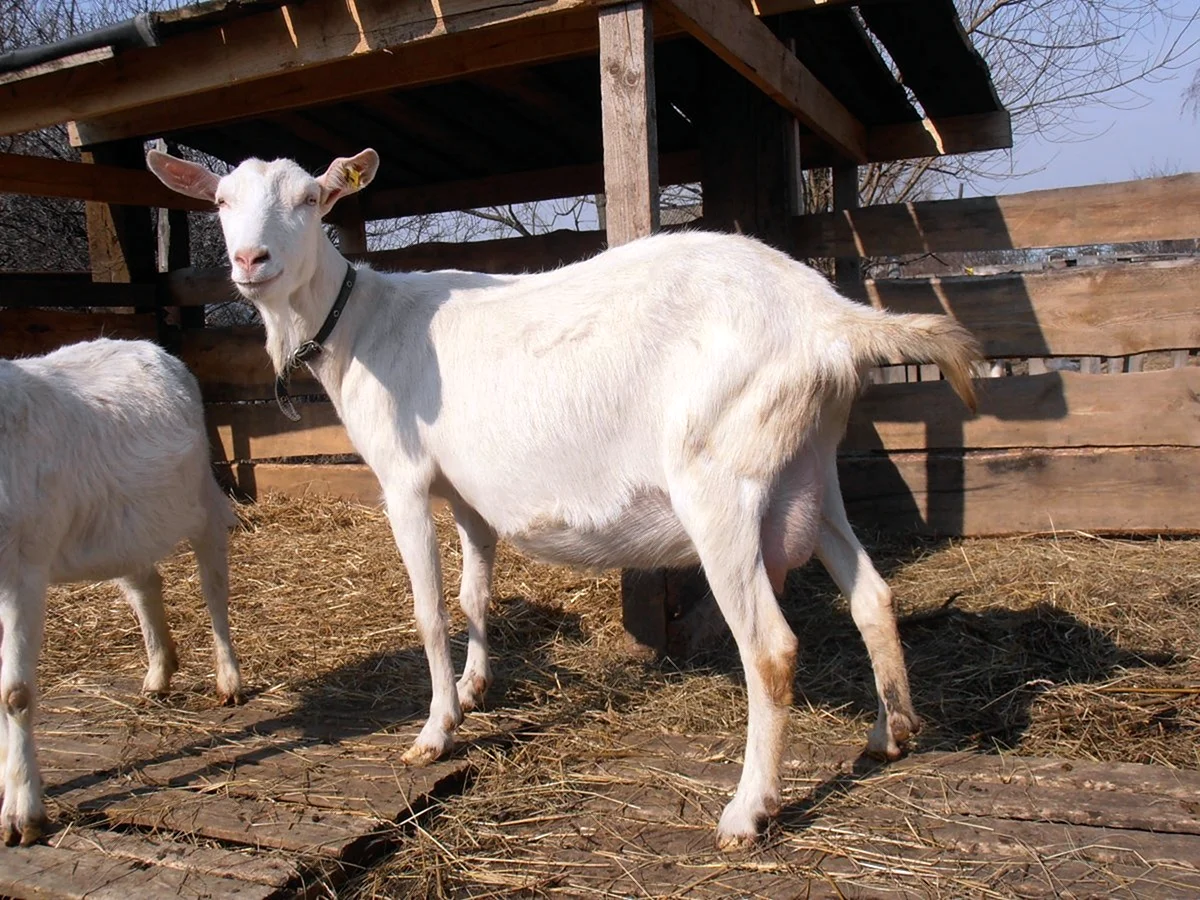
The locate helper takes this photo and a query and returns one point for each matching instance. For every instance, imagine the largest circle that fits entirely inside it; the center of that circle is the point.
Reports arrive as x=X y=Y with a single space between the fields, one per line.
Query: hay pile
x=1073 y=646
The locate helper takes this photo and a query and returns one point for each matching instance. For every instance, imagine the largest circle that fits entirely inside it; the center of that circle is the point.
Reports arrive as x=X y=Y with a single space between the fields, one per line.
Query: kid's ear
x=345 y=176
x=182 y=176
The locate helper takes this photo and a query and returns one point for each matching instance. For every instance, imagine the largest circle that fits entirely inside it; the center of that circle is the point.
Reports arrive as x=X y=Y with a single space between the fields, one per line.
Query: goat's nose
x=251 y=257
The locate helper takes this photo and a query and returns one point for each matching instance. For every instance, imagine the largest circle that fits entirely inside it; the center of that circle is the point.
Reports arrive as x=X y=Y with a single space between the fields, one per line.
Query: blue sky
x=1146 y=132
x=1129 y=143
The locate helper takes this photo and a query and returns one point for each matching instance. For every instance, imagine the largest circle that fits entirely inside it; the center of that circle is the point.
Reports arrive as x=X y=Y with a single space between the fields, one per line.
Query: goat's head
x=270 y=213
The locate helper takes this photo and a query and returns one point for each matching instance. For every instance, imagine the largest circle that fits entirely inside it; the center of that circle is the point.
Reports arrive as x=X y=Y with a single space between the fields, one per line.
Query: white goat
x=675 y=400
x=104 y=468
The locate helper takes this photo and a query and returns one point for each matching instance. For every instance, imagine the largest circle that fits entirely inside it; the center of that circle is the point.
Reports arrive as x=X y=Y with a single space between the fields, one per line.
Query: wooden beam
x=523 y=254
x=1057 y=409
x=731 y=31
x=630 y=121
x=1125 y=490
x=31 y=332
x=1098 y=310
x=682 y=167
x=236 y=53
x=1151 y=209
x=20 y=291
x=428 y=59
x=41 y=177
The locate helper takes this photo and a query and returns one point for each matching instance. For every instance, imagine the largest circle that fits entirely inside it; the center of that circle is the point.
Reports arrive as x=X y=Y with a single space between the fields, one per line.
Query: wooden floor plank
x=244 y=864
x=50 y=873
x=254 y=823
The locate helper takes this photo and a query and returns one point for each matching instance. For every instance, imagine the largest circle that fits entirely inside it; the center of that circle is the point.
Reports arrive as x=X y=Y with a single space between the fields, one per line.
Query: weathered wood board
x=935 y=824
x=252 y=802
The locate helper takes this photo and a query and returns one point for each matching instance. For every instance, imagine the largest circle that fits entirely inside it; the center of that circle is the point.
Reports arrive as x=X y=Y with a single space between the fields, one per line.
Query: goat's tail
x=918 y=337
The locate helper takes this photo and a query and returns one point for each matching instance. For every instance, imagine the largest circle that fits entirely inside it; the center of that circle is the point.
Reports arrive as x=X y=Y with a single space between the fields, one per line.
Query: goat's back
x=104 y=461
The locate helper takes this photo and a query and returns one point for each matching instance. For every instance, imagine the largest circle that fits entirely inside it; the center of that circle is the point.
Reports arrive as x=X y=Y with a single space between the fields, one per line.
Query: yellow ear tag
x=354 y=177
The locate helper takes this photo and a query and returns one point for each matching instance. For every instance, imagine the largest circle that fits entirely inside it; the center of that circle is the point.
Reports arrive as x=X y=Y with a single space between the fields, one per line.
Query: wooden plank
x=427 y=59
x=260 y=431
x=994 y=492
x=1101 y=310
x=1149 y=209
x=96 y=54
x=348 y=481
x=952 y=80
x=42 y=177
x=232 y=364
x=1026 y=802
x=20 y=291
x=243 y=865
x=941 y=136
x=32 y=332
x=732 y=32
x=255 y=823
x=242 y=50
x=630 y=121
x=680 y=167
x=193 y=286
x=1058 y=409
x=504 y=255
x=73 y=874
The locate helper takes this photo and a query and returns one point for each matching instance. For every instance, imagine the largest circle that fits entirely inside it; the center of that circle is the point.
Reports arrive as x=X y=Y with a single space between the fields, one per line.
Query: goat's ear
x=346 y=175
x=185 y=177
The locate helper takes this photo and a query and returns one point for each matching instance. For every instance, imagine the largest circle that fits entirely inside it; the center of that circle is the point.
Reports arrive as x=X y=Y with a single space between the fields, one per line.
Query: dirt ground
x=1069 y=646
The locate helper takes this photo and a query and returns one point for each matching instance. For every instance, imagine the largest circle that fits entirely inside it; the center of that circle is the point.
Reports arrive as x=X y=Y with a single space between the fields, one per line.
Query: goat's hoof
x=24 y=833
x=741 y=828
x=471 y=692
x=417 y=756
x=231 y=698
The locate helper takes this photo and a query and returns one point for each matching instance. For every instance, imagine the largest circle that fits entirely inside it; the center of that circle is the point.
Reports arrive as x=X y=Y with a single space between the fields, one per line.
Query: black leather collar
x=309 y=349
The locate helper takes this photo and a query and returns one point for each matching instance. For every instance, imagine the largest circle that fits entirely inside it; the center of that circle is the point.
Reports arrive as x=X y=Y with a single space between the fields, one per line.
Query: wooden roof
x=462 y=97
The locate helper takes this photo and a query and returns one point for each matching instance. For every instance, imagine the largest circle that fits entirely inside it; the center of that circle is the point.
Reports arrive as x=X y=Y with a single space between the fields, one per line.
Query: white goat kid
x=674 y=400
x=104 y=468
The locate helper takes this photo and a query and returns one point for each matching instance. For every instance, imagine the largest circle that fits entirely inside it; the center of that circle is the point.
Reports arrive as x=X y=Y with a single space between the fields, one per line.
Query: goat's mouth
x=257 y=283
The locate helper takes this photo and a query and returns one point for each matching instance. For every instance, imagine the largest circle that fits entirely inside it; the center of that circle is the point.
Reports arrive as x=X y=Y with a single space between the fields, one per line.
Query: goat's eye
x=222 y=202
x=311 y=199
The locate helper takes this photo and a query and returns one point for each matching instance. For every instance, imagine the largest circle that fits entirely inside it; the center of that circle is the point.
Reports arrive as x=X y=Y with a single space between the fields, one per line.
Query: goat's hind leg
x=871 y=608
x=143 y=590
x=212 y=557
x=22 y=618
x=479 y=553
x=724 y=526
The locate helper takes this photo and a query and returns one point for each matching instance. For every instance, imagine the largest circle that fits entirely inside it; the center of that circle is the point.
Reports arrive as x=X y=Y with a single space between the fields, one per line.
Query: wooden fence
x=1065 y=448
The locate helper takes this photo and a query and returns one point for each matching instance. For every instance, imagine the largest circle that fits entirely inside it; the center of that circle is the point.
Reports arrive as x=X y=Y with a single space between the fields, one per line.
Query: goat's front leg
x=22 y=616
x=416 y=538
x=479 y=554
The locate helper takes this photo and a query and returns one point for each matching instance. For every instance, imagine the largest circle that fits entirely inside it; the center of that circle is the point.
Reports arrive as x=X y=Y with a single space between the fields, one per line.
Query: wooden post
x=351 y=228
x=847 y=270
x=175 y=252
x=630 y=211
x=630 y=124
x=122 y=242
x=746 y=160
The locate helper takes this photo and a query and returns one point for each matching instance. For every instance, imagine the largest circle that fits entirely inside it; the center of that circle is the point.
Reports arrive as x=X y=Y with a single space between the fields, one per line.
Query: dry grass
x=1073 y=646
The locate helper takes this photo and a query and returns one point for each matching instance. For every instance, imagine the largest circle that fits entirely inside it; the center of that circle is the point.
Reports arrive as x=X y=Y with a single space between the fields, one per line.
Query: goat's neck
x=299 y=319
